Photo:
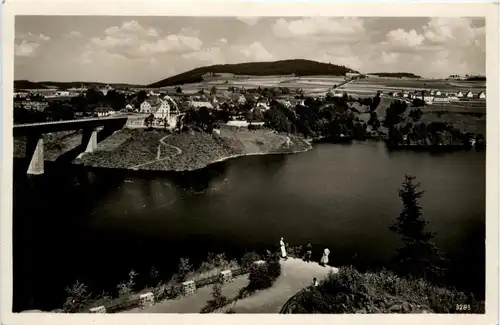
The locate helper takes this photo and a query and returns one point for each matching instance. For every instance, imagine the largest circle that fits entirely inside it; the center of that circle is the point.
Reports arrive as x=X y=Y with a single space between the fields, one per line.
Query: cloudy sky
x=142 y=50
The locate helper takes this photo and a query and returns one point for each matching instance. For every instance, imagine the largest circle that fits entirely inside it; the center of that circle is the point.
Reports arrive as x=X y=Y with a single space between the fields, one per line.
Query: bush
x=184 y=269
x=78 y=297
x=263 y=276
x=295 y=251
x=383 y=292
x=125 y=288
x=248 y=259
x=218 y=299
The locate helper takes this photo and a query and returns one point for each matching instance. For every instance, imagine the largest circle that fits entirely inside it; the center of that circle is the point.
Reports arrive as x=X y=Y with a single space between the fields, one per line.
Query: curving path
x=295 y=275
x=158 y=155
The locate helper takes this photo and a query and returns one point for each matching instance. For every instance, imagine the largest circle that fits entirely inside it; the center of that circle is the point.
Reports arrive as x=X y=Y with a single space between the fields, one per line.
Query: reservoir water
x=95 y=225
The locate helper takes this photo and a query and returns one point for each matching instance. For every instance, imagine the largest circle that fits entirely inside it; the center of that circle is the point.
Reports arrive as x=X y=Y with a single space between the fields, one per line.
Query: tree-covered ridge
x=395 y=74
x=26 y=84
x=299 y=67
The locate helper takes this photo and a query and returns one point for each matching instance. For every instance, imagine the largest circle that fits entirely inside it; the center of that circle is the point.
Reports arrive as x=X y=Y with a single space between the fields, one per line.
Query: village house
x=296 y=102
x=453 y=97
x=428 y=97
x=469 y=94
x=338 y=94
x=437 y=93
x=106 y=89
x=482 y=95
x=441 y=99
x=21 y=94
x=103 y=111
x=240 y=99
x=197 y=104
x=168 y=111
x=395 y=94
x=460 y=94
x=262 y=104
x=405 y=94
x=284 y=102
x=150 y=105
x=215 y=102
x=33 y=105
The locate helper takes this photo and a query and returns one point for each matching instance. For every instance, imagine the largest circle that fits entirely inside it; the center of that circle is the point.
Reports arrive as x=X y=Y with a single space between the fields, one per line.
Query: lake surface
x=96 y=225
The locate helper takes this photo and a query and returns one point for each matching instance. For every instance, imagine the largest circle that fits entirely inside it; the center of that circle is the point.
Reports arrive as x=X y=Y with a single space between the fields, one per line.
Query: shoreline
x=310 y=147
x=196 y=151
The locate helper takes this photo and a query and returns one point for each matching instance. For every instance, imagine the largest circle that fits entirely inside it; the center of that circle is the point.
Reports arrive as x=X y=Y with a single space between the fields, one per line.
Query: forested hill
x=395 y=74
x=285 y=67
x=26 y=84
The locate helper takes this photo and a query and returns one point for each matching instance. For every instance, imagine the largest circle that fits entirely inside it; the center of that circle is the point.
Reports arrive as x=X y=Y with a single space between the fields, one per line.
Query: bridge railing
x=71 y=121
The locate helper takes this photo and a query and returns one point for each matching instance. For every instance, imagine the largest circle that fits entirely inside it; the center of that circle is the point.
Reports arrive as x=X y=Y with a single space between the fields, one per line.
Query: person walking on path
x=283 y=249
x=324 y=259
x=315 y=282
x=308 y=252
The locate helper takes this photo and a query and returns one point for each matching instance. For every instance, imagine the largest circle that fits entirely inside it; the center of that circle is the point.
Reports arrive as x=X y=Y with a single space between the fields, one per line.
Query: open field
x=306 y=83
x=417 y=84
x=462 y=122
x=464 y=107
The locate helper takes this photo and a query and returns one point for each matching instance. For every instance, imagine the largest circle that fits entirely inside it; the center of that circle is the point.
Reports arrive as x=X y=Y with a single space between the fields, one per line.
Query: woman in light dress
x=283 y=249
x=324 y=259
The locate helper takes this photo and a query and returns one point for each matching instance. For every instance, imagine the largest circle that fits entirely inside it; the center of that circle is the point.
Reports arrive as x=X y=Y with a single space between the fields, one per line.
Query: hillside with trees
x=26 y=84
x=298 y=67
x=396 y=75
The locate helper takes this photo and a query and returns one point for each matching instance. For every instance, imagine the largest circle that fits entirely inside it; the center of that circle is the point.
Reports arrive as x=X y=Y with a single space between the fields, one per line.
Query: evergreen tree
x=419 y=256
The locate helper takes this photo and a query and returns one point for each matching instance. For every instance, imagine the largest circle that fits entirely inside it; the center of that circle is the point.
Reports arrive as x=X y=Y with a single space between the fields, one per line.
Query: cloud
x=405 y=39
x=30 y=37
x=175 y=44
x=25 y=49
x=137 y=43
x=144 y=49
x=253 y=52
x=439 y=34
x=251 y=21
x=323 y=29
x=27 y=44
x=73 y=34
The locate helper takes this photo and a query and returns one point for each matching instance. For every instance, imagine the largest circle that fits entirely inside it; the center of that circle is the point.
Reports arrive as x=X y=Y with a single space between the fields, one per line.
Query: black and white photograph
x=264 y=164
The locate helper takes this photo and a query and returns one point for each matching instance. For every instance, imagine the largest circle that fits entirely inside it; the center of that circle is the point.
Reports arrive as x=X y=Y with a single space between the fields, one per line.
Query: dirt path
x=158 y=155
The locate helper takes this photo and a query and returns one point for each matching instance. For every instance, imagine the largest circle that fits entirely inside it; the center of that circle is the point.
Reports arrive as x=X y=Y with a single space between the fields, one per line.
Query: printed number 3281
x=462 y=307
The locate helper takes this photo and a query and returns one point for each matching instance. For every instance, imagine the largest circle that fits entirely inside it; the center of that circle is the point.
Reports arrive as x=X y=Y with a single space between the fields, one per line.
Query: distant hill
x=395 y=74
x=26 y=84
x=298 y=67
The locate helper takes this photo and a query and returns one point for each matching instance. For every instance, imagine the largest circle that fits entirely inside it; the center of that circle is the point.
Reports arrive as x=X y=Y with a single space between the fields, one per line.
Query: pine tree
x=419 y=256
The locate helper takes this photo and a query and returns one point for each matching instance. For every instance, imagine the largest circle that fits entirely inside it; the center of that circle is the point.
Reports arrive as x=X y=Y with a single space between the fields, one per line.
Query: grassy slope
x=129 y=148
x=285 y=67
x=383 y=292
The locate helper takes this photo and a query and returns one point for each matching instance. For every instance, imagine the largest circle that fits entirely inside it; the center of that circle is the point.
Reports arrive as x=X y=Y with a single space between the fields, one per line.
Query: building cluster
x=165 y=105
x=437 y=96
